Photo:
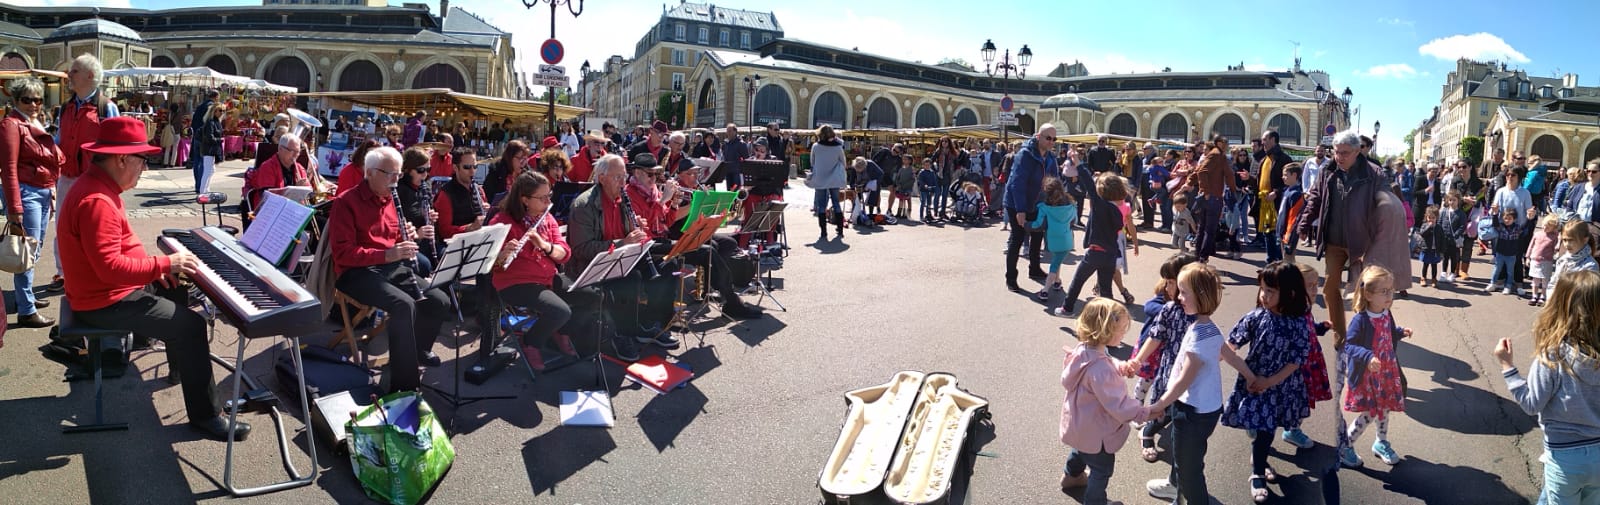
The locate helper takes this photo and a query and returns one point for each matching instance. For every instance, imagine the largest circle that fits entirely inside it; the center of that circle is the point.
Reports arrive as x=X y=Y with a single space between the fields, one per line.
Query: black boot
x=822 y=227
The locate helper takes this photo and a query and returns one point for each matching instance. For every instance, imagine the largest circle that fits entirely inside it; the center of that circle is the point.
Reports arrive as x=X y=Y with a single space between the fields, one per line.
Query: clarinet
x=533 y=227
x=411 y=264
x=629 y=220
x=483 y=203
x=425 y=192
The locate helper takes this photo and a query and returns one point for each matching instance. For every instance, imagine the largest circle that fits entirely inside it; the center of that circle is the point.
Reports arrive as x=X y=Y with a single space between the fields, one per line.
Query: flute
x=532 y=229
x=411 y=264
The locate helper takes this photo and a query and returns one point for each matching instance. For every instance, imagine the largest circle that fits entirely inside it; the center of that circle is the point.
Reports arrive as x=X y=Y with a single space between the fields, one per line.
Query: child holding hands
x=1279 y=345
x=1096 y=409
x=1374 y=385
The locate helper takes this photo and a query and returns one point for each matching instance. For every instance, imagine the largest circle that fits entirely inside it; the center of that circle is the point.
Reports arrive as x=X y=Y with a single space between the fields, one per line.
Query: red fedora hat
x=121 y=135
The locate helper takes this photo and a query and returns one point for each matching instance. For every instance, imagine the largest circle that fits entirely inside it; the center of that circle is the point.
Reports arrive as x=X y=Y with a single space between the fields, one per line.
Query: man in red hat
x=594 y=146
x=107 y=270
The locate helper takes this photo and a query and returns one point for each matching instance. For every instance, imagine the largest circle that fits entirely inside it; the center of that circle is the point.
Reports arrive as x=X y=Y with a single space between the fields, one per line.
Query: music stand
x=607 y=266
x=466 y=256
x=763 y=220
x=705 y=203
x=715 y=170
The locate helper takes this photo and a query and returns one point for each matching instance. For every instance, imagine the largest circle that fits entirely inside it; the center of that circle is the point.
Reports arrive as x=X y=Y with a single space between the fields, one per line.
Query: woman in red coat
x=30 y=162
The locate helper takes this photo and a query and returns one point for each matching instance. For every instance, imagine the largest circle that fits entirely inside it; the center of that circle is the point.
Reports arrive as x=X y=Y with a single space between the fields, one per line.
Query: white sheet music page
x=276 y=228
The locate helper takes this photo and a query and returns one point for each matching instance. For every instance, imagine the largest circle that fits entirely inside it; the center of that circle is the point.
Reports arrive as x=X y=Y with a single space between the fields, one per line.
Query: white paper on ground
x=586 y=408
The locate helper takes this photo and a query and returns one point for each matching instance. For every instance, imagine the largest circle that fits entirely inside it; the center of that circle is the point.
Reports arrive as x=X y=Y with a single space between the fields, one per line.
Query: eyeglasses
x=545 y=197
x=1518 y=158
x=390 y=173
x=30 y=99
x=1048 y=139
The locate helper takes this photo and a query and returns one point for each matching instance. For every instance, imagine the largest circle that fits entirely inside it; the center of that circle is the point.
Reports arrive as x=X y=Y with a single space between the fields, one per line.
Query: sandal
x=1044 y=295
x=1258 y=489
x=1270 y=475
x=1127 y=296
x=1148 y=449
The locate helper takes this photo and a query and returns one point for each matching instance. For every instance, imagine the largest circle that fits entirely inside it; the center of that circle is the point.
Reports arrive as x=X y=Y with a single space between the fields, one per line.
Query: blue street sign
x=1005 y=104
x=551 y=51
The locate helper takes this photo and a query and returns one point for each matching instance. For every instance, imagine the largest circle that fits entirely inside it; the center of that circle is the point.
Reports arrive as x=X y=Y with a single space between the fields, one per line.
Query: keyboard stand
x=239 y=377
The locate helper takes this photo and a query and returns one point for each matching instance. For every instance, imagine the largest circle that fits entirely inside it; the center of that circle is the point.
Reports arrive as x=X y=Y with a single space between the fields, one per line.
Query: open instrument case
x=902 y=441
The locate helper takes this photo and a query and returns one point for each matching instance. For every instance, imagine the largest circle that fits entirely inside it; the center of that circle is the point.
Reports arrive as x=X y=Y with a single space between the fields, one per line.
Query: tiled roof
x=420 y=37
x=1490 y=87
x=461 y=21
x=710 y=13
x=1549 y=116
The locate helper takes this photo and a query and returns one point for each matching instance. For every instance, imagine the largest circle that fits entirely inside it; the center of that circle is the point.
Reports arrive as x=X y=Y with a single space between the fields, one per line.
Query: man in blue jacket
x=1033 y=160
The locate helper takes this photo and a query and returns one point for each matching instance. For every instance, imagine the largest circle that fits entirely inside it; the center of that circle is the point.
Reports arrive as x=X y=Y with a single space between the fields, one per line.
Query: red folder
x=654 y=372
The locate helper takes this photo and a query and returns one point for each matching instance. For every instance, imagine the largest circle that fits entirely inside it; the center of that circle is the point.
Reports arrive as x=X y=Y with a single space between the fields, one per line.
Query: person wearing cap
x=30 y=162
x=724 y=260
x=594 y=146
x=107 y=270
x=654 y=141
x=443 y=162
x=550 y=142
x=652 y=204
x=374 y=265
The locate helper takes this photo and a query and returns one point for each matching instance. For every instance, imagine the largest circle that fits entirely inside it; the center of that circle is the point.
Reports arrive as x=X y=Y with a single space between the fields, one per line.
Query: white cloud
x=1256 y=67
x=1481 y=46
x=1389 y=70
x=1398 y=22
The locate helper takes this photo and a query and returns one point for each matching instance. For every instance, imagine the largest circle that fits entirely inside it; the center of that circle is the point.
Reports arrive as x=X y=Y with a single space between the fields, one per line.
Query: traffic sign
x=1006 y=119
x=559 y=81
x=1328 y=130
x=1005 y=104
x=552 y=70
x=551 y=51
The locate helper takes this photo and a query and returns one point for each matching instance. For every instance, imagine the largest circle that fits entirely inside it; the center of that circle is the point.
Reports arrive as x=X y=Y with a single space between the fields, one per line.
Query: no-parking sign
x=551 y=51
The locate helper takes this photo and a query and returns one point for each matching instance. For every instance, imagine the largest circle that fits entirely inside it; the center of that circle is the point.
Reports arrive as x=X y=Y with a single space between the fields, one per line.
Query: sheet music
x=276 y=227
x=472 y=251
x=296 y=194
x=707 y=163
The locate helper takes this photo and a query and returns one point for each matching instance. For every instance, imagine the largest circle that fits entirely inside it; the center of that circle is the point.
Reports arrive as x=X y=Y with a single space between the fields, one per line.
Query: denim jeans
x=1166 y=206
x=1207 y=216
x=823 y=197
x=1504 y=265
x=202 y=174
x=941 y=197
x=1191 y=432
x=925 y=197
x=36 y=210
x=1571 y=476
x=1014 y=242
x=1100 y=466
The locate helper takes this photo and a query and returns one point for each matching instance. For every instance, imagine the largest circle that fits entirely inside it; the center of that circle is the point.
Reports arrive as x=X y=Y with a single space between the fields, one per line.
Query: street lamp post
x=1347 y=95
x=1376 y=125
x=551 y=112
x=583 y=78
x=1005 y=68
x=751 y=82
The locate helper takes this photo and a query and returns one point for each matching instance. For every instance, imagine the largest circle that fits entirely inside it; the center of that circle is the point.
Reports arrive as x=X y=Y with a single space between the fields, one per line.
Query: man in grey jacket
x=600 y=221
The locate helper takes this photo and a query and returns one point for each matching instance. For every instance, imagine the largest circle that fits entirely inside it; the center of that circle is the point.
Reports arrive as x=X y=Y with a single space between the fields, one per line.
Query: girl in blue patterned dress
x=1277 y=335
x=1158 y=349
x=1374 y=386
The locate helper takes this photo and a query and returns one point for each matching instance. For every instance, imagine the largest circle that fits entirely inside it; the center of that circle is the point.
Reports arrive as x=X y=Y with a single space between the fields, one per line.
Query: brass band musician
x=664 y=215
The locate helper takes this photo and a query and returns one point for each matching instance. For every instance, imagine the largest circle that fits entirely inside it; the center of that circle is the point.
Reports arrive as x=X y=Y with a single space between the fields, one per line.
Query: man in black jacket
x=1270 y=187
x=1101 y=156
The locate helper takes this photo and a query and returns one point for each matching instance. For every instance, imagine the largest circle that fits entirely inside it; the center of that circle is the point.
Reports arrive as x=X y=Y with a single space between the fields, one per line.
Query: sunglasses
x=1048 y=139
x=30 y=99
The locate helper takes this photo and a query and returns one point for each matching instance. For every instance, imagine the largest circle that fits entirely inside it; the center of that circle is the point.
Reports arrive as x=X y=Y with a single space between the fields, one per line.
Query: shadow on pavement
x=562 y=452
x=1452 y=302
x=666 y=416
x=1441 y=483
x=832 y=246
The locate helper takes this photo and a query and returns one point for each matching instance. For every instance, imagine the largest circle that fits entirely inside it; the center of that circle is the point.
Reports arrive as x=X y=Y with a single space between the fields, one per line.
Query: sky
x=1393 y=55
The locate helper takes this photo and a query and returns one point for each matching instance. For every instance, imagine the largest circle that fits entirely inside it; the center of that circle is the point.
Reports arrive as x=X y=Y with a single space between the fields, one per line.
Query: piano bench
x=72 y=328
x=353 y=313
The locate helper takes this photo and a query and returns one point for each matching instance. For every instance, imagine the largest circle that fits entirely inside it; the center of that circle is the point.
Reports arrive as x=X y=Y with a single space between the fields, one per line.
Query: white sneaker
x=1161 y=488
x=1507 y=291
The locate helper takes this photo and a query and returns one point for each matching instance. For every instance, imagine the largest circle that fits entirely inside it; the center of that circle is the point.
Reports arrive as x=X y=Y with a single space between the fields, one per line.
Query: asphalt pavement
x=758 y=421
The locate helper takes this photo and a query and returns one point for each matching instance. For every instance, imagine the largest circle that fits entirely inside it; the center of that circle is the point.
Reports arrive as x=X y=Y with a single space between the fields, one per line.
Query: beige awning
x=446 y=102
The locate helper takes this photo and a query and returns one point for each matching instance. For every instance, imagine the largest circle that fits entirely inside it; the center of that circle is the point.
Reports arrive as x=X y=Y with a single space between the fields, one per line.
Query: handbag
x=17 y=251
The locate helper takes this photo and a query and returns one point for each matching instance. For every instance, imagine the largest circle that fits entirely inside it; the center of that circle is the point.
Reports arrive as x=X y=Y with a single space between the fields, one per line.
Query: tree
x=670 y=108
x=1471 y=150
x=958 y=61
x=1410 y=137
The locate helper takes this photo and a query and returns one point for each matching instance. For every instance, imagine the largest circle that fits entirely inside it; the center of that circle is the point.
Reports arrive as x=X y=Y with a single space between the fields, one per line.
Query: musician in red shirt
x=599 y=221
x=460 y=202
x=594 y=146
x=442 y=163
x=106 y=271
x=374 y=265
x=283 y=169
x=649 y=202
x=352 y=174
x=528 y=270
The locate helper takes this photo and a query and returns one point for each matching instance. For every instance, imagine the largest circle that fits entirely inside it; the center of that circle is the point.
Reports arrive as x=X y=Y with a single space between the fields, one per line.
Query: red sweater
x=28 y=155
x=531 y=265
x=350 y=176
x=646 y=203
x=361 y=226
x=79 y=126
x=101 y=258
x=582 y=166
x=268 y=176
x=441 y=165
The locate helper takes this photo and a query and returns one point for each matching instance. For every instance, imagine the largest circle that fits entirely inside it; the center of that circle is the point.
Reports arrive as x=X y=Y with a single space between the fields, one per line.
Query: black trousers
x=559 y=310
x=1020 y=233
x=413 y=324
x=636 y=303
x=716 y=256
x=149 y=316
x=1102 y=263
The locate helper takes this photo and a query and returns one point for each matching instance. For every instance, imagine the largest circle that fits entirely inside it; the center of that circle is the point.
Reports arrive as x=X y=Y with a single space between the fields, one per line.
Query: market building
x=1554 y=118
x=352 y=45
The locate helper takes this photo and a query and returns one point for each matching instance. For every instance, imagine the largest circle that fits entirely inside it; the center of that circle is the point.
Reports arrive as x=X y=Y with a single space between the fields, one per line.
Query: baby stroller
x=969 y=206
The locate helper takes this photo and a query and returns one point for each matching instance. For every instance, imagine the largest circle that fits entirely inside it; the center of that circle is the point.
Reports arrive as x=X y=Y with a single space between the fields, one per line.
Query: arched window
x=927 y=116
x=1549 y=148
x=1230 y=125
x=773 y=104
x=222 y=63
x=13 y=61
x=361 y=75
x=1591 y=153
x=290 y=71
x=1124 y=125
x=162 y=61
x=1173 y=127
x=440 y=75
x=830 y=110
x=705 y=110
x=966 y=117
x=1288 y=128
x=882 y=114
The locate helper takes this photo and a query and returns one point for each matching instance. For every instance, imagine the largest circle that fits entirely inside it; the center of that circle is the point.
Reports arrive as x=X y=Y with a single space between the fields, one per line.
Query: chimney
x=444 y=10
x=1569 y=81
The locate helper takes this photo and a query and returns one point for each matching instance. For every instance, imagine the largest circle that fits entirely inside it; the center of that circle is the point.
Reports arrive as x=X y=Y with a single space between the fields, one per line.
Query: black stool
x=217 y=199
x=71 y=328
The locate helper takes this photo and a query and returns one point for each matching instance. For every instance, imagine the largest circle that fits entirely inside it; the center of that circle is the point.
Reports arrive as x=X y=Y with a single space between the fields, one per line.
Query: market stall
x=170 y=93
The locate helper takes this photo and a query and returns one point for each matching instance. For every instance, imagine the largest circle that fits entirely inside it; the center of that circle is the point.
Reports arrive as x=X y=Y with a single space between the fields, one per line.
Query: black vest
x=464 y=205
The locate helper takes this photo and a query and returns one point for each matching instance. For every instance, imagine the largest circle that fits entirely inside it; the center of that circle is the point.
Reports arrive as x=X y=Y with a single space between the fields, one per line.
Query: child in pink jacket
x=1096 y=409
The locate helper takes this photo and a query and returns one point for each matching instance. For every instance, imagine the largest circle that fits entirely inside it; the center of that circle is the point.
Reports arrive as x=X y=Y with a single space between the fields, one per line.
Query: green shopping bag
x=398 y=450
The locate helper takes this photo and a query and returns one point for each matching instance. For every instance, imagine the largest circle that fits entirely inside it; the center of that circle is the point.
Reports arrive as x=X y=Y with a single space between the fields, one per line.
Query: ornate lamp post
x=751 y=82
x=1347 y=95
x=1005 y=68
x=583 y=78
x=1376 y=125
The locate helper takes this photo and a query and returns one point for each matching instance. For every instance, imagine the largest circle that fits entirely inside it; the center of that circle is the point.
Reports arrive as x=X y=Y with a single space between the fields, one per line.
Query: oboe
x=411 y=264
x=533 y=227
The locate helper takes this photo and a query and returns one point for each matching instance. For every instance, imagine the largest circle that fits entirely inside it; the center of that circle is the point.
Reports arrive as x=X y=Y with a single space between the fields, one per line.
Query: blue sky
x=1392 y=55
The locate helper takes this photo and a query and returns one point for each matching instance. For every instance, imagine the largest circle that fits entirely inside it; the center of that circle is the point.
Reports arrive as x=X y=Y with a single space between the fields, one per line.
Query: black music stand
x=608 y=266
x=766 y=217
x=466 y=256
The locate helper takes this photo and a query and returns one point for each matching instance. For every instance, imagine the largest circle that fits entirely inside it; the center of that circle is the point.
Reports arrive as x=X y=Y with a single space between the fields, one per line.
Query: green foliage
x=1409 y=139
x=671 y=112
x=1471 y=150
